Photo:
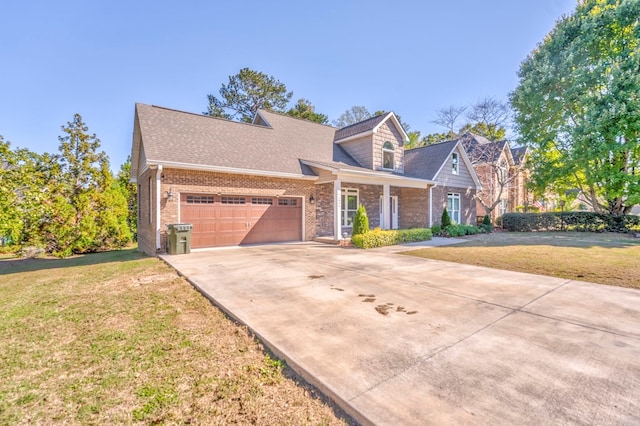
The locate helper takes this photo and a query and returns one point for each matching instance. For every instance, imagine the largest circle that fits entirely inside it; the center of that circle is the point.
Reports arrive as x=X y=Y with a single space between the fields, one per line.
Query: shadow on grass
x=557 y=239
x=13 y=265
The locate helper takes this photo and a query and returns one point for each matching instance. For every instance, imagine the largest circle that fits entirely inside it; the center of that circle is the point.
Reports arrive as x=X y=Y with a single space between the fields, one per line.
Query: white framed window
x=388 y=156
x=454 y=163
x=453 y=206
x=349 y=206
x=503 y=207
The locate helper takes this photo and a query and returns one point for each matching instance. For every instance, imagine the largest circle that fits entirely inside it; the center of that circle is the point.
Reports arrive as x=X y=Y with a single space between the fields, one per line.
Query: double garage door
x=230 y=220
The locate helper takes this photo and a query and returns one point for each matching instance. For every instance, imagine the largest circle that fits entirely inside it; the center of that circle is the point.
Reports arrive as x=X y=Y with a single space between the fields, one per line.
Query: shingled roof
x=480 y=149
x=518 y=154
x=360 y=127
x=175 y=137
x=425 y=162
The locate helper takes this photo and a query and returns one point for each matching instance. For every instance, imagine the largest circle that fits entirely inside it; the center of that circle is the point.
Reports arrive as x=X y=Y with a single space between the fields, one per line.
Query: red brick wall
x=468 y=208
x=413 y=208
x=146 y=228
x=191 y=181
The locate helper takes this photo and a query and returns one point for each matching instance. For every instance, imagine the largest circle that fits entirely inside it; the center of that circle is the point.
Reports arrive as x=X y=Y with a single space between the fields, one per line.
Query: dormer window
x=388 y=156
x=454 y=163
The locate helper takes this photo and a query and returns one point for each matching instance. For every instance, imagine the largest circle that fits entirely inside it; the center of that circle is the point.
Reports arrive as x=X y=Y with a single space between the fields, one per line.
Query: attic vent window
x=388 y=156
x=454 y=163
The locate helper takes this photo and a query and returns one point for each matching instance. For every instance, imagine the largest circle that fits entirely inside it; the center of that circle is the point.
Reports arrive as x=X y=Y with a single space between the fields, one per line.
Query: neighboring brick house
x=455 y=181
x=521 y=198
x=501 y=171
x=276 y=179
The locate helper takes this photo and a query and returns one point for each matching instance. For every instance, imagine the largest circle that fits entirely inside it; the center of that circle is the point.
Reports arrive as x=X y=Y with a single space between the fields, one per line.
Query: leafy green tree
x=304 y=109
x=577 y=105
x=491 y=131
x=130 y=192
x=88 y=209
x=246 y=93
x=351 y=116
x=360 y=221
x=432 y=138
x=26 y=180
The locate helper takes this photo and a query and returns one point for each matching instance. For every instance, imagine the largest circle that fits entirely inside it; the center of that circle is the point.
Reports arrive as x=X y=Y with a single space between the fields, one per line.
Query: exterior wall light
x=312 y=200
x=170 y=194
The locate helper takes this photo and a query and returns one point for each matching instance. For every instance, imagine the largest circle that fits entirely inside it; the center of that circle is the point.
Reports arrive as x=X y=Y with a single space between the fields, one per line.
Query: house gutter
x=158 y=195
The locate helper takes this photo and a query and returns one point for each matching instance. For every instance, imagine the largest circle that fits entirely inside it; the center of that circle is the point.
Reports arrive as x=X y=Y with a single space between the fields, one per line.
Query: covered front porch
x=392 y=202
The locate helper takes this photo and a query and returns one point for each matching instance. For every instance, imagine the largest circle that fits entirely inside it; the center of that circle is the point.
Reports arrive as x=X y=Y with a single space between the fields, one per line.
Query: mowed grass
x=606 y=258
x=119 y=338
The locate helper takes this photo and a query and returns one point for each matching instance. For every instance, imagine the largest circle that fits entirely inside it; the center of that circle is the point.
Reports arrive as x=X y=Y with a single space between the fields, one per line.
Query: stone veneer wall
x=391 y=134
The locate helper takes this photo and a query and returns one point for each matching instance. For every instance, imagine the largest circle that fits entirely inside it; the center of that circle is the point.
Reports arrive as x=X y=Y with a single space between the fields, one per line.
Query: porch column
x=337 y=208
x=386 y=207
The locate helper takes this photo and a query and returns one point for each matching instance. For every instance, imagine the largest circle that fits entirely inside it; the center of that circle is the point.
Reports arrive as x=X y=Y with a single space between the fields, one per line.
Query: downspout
x=158 y=195
x=431 y=204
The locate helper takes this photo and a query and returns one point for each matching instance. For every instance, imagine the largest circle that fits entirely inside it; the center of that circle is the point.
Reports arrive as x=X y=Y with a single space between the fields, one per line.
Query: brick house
x=502 y=172
x=276 y=179
x=455 y=181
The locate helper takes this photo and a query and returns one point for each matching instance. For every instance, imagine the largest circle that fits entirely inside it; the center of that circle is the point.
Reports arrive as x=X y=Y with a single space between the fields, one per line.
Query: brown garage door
x=232 y=220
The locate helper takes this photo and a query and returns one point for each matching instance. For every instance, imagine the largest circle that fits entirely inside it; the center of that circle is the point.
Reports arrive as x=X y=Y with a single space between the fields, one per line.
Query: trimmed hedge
x=459 y=230
x=381 y=238
x=569 y=221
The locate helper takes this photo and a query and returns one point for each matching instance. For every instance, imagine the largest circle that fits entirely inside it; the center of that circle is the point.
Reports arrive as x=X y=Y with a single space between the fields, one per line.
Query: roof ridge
x=432 y=144
x=284 y=114
x=204 y=115
x=365 y=120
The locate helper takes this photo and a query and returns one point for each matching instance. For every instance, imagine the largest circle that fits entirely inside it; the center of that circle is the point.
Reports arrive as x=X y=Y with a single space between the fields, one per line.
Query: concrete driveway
x=400 y=340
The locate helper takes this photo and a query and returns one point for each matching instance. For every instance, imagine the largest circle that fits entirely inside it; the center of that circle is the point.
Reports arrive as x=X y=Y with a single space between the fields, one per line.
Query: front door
x=393 y=211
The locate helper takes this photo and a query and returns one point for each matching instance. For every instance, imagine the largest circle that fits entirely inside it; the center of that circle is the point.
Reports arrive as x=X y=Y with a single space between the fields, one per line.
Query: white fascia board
x=354 y=137
x=258 y=113
x=351 y=176
x=397 y=123
x=467 y=162
x=230 y=170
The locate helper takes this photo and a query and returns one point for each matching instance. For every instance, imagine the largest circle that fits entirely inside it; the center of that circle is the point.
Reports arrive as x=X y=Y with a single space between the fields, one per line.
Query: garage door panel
x=258 y=220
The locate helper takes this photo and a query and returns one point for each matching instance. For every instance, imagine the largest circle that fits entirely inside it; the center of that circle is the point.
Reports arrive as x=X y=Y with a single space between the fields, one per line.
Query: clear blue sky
x=98 y=58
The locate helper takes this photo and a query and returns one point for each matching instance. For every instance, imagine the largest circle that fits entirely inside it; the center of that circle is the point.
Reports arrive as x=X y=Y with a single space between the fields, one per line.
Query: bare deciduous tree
x=448 y=117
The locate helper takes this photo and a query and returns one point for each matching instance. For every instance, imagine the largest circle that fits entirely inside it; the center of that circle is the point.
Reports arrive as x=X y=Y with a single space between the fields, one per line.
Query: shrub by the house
x=381 y=238
x=360 y=221
x=445 y=220
x=486 y=224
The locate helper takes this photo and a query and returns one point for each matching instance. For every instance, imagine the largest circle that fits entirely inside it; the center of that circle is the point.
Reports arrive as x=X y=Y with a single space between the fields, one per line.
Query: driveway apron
x=395 y=339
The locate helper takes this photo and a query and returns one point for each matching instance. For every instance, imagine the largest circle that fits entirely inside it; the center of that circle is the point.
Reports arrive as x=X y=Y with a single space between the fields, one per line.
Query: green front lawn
x=606 y=258
x=118 y=337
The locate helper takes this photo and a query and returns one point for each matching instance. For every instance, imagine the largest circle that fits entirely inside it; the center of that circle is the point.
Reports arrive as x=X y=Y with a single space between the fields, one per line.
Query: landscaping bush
x=569 y=221
x=436 y=229
x=413 y=235
x=460 y=230
x=486 y=226
x=360 y=221
x=445 y=220
x=381 y=238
